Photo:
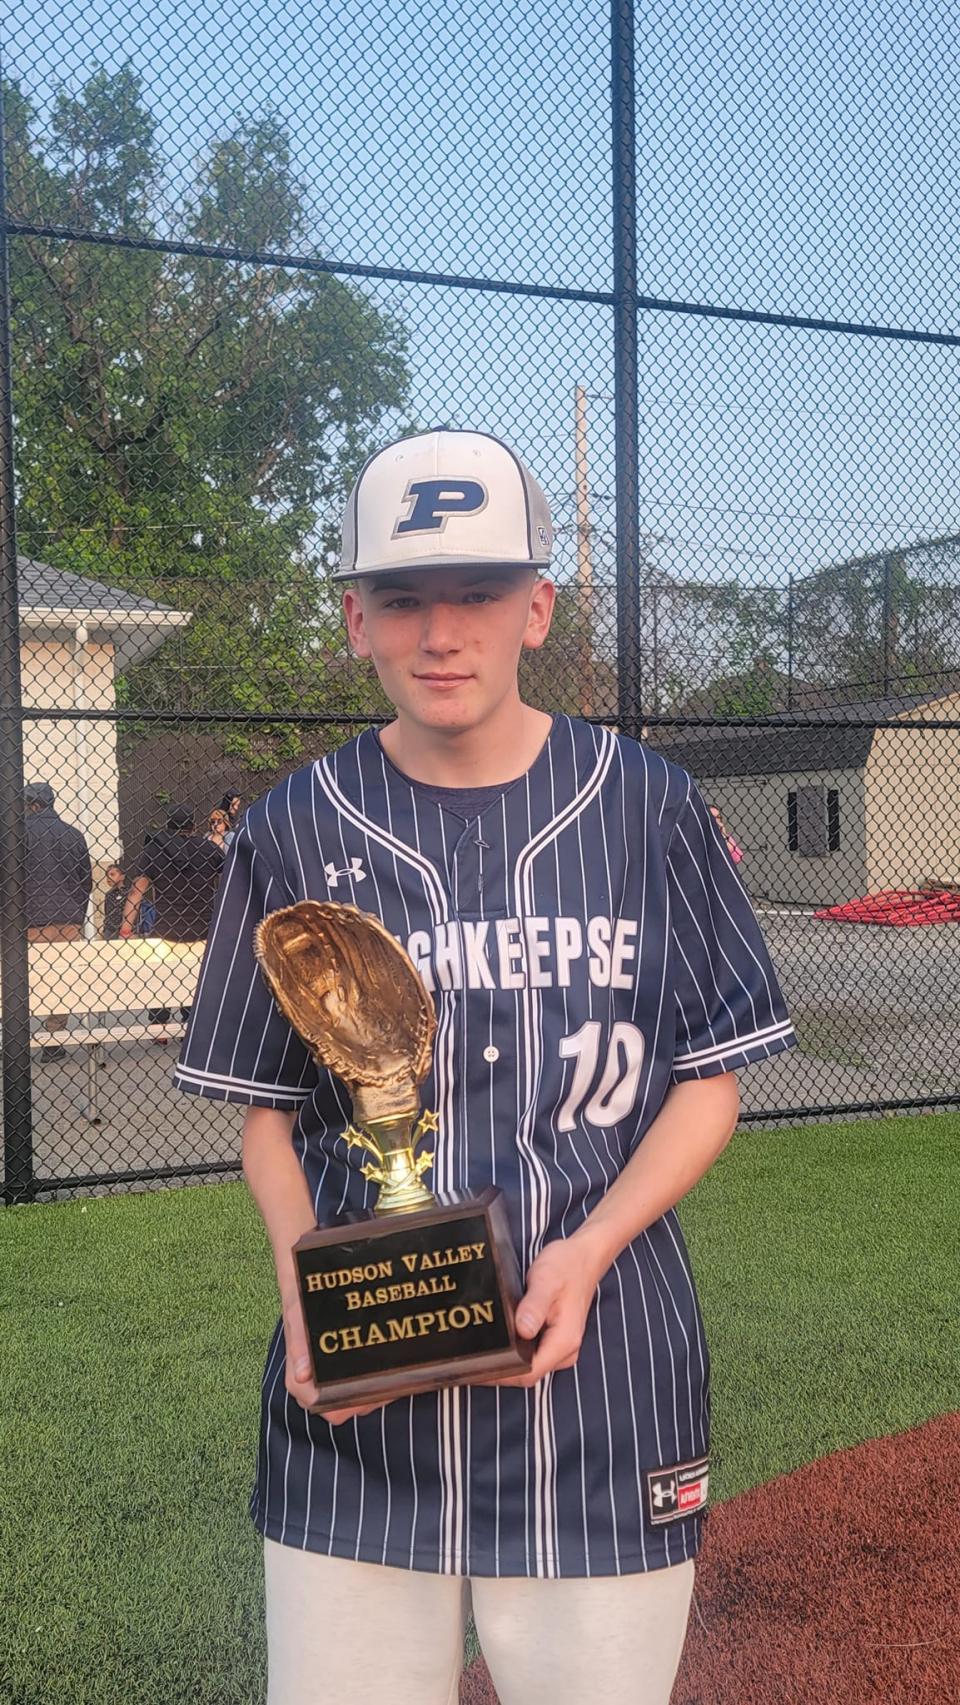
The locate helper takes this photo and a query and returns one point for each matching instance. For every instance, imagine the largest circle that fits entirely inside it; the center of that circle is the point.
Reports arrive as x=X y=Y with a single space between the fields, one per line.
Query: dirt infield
x=837 y=1584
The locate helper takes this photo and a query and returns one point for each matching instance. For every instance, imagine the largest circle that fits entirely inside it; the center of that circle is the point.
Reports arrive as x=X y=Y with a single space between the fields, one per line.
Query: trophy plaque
x=419 y=1292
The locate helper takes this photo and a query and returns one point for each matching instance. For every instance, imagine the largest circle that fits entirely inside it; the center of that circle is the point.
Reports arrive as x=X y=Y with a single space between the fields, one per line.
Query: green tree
x=888 y=623
x=188 y=427
x=713 y=647
x=567 y=673
x=755 y=616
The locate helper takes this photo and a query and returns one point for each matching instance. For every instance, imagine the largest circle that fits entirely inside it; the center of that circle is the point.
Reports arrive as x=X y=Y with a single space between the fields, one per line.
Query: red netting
x=902 y=907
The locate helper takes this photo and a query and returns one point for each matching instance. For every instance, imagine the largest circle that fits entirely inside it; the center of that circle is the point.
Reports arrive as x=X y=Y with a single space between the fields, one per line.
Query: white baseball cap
x=444 y=499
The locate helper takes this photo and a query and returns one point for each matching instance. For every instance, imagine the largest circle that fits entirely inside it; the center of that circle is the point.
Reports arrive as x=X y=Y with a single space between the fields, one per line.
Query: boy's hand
x=561 y=1287
x=336 y=1417
x=299 y=1374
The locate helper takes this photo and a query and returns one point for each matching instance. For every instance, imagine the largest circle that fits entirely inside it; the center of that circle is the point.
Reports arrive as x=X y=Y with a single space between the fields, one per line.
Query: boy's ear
x=353 y=616
x=543 y=598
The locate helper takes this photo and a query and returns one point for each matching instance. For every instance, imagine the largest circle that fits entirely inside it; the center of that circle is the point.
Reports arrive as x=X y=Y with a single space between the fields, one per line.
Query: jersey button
x=490 y=1054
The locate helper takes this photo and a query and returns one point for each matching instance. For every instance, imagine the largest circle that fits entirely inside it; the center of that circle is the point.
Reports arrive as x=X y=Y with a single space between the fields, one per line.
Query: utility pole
x=584 y=608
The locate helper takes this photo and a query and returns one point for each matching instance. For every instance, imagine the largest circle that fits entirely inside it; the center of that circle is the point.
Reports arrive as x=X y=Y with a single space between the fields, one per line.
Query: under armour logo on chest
x=354 y=870
x=664 y=1493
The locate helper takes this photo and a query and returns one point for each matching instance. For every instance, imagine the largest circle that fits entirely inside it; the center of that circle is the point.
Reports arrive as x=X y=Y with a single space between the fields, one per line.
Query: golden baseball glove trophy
x=419 y=1293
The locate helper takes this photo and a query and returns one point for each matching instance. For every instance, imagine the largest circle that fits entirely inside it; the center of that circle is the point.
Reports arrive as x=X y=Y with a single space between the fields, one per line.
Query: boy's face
x=446 y=642
x=114 y=875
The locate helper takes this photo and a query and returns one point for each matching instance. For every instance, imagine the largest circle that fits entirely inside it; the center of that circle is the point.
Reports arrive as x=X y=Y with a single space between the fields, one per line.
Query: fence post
x=627 y=430
x=14 y=964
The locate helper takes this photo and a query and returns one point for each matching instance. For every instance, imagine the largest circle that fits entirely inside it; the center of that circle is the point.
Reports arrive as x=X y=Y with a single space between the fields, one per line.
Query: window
x=813 y=821
x=833 y=819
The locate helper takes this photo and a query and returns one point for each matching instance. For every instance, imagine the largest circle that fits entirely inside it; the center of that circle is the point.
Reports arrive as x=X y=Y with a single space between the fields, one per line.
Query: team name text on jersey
x=520 y=953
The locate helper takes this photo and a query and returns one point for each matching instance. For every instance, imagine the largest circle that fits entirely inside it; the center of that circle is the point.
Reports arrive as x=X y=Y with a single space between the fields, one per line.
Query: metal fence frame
x=627 y=304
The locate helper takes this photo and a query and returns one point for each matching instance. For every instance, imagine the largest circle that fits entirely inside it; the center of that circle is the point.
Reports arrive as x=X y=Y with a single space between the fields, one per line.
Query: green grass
x=133 y=1334
x=826 y=1260
x=134 y=1330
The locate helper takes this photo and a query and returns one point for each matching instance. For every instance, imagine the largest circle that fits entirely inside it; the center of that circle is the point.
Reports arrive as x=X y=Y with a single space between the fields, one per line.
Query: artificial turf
x=134 y=1328
x=826 y=1260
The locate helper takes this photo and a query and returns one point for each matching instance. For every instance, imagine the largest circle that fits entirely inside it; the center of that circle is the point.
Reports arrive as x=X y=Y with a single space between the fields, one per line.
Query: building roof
x=53 y=603
x=763 y=751
x=41 y=586
x=828 y=744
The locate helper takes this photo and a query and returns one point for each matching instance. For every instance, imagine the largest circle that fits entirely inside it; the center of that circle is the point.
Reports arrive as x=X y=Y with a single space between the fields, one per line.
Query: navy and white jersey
x=588 y=944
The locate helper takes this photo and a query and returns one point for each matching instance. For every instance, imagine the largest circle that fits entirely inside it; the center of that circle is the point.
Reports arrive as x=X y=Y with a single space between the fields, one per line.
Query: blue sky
x=791 y=158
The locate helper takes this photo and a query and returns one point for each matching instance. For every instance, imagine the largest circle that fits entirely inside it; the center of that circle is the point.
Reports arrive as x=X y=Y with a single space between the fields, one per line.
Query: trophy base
x=409 y=1303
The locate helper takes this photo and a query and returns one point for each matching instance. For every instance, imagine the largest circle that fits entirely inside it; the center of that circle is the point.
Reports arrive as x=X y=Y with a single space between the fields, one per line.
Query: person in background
x=147 y=918
x=113 y=899
x=183 y=870
x=733 y=846
x=232 y=804
x=59 y=883
x=219 y=834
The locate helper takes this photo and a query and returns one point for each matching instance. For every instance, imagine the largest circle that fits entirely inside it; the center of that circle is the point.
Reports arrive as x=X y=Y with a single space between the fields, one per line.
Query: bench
x=94 y=1040
x=86 y=979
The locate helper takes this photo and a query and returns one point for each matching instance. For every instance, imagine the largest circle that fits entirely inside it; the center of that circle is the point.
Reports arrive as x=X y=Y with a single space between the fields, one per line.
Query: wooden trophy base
x=410 y=1302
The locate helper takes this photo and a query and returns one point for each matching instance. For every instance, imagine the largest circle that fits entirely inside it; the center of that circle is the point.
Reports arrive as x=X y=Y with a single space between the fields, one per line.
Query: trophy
x=420 y=1292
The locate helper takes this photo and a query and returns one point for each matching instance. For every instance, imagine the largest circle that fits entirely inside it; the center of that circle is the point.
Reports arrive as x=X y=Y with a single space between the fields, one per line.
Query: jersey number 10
x=616 y=1092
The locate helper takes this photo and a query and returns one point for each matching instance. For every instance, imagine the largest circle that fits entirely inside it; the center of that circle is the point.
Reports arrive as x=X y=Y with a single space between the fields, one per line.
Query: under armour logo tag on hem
x=354 y=870
x=677 y=1491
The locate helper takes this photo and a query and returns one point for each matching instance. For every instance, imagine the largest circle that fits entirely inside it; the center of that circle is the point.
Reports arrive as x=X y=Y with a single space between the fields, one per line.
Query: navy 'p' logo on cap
x=434 y=501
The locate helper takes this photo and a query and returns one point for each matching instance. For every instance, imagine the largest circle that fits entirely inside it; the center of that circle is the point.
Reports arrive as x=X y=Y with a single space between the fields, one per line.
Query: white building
x=828 y=812
x=76 y=636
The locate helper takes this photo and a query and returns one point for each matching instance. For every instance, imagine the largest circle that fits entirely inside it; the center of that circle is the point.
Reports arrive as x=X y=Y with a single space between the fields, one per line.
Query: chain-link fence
x=695 y=269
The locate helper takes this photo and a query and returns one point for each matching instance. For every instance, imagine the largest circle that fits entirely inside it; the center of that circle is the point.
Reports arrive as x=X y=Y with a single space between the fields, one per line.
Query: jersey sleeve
x=238 y=1046
x=729 y=1008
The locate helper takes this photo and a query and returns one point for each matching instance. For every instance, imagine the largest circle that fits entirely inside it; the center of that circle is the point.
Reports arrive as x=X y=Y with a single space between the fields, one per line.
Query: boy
x=598 y=975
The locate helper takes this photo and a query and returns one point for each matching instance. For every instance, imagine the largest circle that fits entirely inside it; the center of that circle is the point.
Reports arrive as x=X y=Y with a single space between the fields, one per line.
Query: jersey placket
x=475 y=864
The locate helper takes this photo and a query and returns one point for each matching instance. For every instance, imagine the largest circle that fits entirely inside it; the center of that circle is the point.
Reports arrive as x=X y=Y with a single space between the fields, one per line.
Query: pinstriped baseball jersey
x=588 y=944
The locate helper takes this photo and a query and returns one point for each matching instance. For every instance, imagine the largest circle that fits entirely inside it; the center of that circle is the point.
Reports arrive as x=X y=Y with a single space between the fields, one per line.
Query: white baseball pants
x=346 y=1633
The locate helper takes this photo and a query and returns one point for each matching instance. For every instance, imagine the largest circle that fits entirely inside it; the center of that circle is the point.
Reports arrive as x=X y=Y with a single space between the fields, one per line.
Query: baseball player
x=599 y=977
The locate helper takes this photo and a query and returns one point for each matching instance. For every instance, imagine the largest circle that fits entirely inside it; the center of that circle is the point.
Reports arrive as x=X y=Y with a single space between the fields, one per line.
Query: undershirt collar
x=465 y=802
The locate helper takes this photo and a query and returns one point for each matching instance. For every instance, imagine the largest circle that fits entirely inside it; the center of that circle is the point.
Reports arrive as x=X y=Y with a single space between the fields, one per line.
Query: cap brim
x=398 y=569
